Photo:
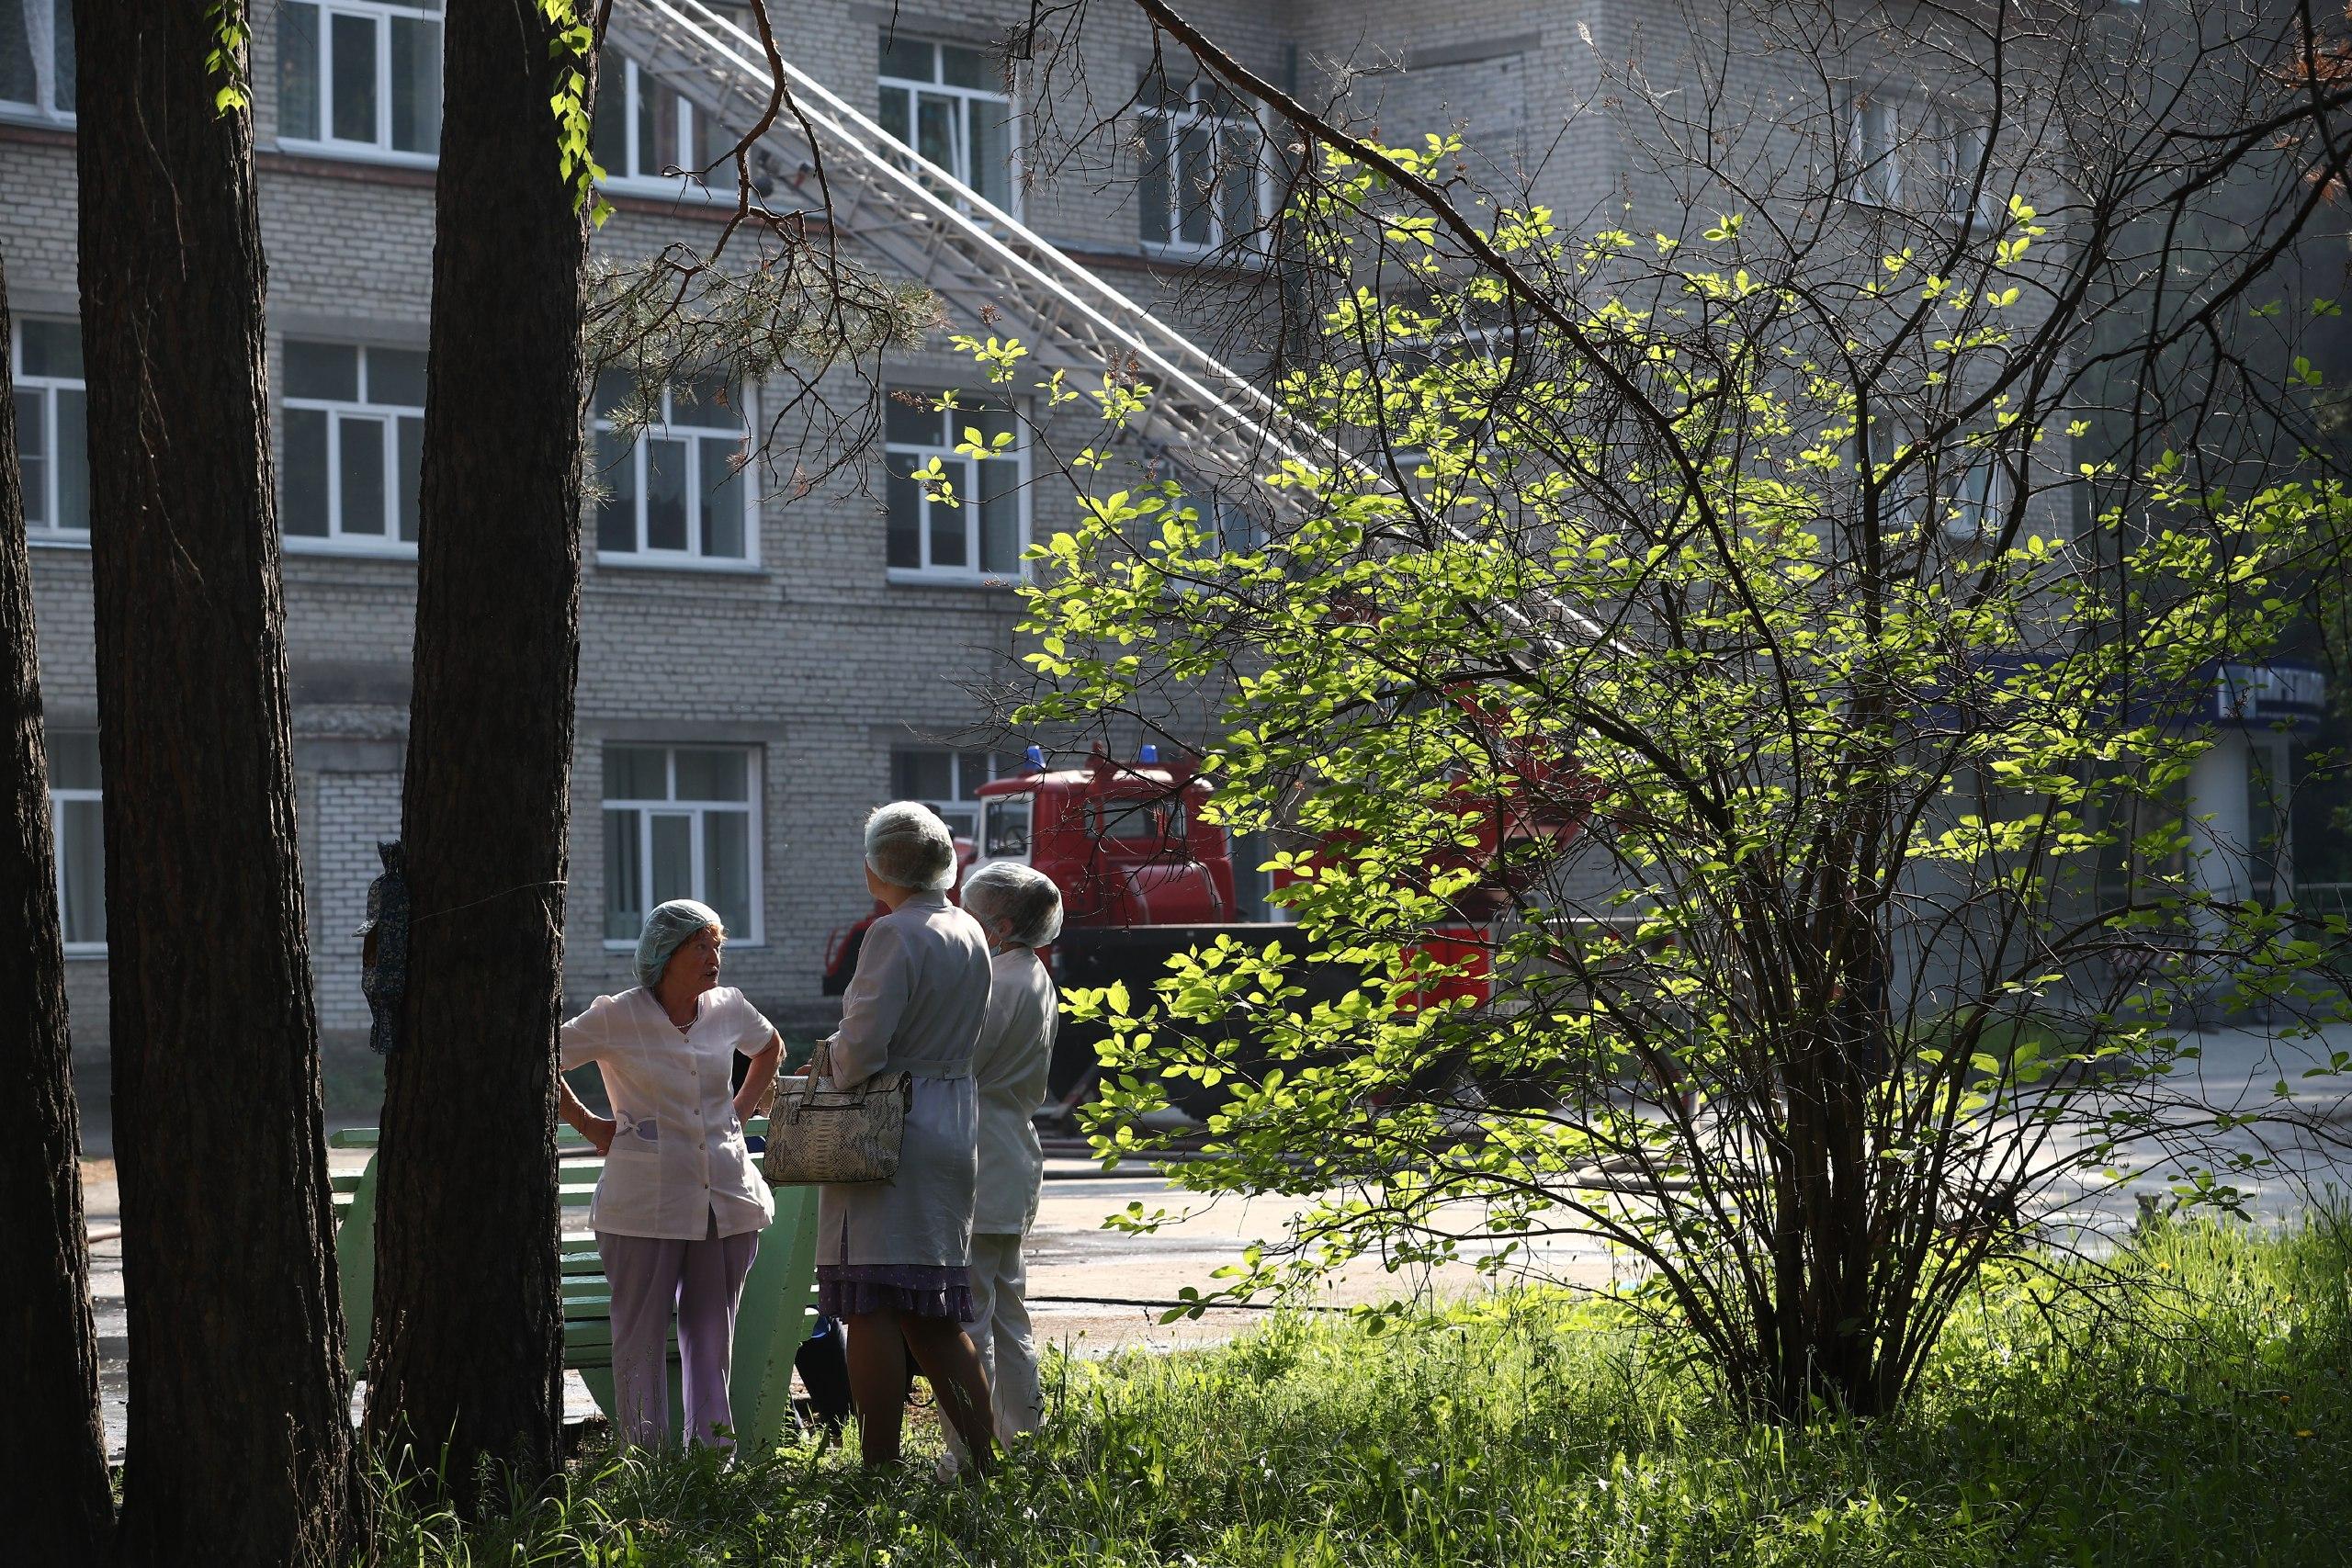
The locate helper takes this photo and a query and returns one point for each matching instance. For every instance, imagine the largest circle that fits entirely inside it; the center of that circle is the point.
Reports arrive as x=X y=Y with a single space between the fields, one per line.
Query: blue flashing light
x=1150 y=754
x=1034 y=759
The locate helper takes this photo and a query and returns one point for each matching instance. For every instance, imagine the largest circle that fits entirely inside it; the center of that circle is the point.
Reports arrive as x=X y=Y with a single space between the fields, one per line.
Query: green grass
x=2197 y=1413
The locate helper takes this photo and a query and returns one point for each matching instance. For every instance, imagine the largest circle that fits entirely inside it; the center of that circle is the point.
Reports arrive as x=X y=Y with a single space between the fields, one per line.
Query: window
x=977 y=532
x=646 y=133
x=77 y=820
x=1006 y=820
x=675 y=493
x=948 y=782
x=355 y=445
x=37 y=58
x=53 y=430
x=681 y=822
x=360 y=74
x=943 y=100
x=1204 y=178
x=1978 y=500
x=1873 y=152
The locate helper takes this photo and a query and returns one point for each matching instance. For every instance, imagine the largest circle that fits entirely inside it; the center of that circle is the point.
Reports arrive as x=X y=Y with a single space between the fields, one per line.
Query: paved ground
x=1074 y=1258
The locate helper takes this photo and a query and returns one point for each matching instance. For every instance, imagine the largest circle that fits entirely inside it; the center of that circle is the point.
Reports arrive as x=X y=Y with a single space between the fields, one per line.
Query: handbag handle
x=820 y=1066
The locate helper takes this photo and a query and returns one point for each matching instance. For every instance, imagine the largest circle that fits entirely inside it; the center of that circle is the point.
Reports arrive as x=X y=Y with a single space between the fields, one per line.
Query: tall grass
x=2192 y=1407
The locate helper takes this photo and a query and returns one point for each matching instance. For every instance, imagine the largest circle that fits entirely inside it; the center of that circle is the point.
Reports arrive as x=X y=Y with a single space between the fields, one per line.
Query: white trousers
x=1000 y=1333
x=702 y=1283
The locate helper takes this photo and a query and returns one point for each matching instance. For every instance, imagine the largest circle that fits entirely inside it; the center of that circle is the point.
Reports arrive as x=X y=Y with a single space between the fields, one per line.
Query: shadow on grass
x=2192 y=1409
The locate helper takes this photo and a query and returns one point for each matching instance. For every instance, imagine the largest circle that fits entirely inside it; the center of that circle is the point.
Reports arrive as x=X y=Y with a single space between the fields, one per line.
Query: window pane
x=353 y=61
x=362 y=445
x=914 y=423
x=1153 y=199
x=1192 y=162
x=624 y=876
x=62 y=86
x=999 y=516
x=935 y=132
x=904 y=531
x=1008 y=826
x=992 y=171
x=964 y=67
x=665 y=494
x=893 y=115
x=617 y=477
x=32 y=455
x=713 y=775
x=722 y=498
x=948 y=524
x=614 y=389
x=608 y=132
x=81 y=870
x=656 y=126
x=704 y=400
x=637 y=773
x=972 y=770
x=54 y=348
x=72 y=758
x=907 y=58
x=411 y=474
x=297 y=71
x=396 y=375
x=417 y=85
x=19 y=84
x=922 y=774
x=673 y=857
x=73 y=458
x=302 y=480
x=1238 y=183
x=323 y=370
x=726 y=868
x=714 y=151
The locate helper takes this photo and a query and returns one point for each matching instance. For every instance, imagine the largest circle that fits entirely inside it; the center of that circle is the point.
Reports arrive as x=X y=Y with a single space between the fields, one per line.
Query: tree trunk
x=239 y=1435
x=52 y=1448
x=468 y=1347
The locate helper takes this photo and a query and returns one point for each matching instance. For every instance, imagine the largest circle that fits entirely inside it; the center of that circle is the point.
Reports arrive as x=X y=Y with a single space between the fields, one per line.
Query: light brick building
x=756 y=669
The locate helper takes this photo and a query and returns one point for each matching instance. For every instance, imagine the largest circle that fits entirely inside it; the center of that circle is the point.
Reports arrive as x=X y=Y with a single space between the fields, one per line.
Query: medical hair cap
x=1024 y=898
x=908 y=846
x=668 y=928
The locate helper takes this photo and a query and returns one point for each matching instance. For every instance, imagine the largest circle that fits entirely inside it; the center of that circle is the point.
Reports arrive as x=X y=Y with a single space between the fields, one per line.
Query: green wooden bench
x=779 y=1294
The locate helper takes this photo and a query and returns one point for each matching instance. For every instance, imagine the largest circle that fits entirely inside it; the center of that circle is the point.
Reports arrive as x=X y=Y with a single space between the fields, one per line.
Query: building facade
x=761 y=661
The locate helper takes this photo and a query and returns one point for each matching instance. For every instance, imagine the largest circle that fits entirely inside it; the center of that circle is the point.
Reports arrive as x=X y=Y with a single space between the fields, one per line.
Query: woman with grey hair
x=679 y=1209
x=1021 y=909
x=893 y=1257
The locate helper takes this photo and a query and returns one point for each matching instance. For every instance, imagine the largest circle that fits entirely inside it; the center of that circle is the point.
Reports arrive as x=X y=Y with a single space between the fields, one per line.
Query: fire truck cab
x=1124 y=842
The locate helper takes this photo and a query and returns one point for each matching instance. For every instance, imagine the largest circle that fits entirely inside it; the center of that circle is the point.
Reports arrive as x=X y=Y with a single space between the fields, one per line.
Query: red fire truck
x=1143 y=878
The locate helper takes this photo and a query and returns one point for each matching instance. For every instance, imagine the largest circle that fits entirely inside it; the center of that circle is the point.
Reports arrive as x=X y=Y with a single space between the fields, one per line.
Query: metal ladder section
x=917 y=221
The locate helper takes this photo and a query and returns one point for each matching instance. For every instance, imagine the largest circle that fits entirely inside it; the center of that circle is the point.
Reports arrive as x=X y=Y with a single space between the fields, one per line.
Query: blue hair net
x=667 y=928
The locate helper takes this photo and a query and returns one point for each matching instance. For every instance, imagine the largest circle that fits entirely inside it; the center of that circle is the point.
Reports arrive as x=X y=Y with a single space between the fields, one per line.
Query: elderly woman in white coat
x=1021 y=909
x=679 y=1209
x=893 y=1257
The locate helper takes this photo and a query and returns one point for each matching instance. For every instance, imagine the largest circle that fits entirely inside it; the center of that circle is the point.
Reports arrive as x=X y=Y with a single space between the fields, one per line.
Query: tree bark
x=53 y=1447
x=467 y=1358
x=240 y=1434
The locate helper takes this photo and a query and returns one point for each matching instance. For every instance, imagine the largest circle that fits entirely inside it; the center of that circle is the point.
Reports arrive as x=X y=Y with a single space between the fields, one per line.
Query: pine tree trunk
x=239 y=1433
x=468 y=1348
x=52 y=1448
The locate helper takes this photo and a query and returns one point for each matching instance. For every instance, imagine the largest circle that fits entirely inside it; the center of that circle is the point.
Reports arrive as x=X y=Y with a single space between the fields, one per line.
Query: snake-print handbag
x=821 y=1135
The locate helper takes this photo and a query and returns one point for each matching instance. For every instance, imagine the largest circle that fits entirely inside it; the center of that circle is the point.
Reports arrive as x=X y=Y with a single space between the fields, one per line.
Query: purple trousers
x=701 y=1283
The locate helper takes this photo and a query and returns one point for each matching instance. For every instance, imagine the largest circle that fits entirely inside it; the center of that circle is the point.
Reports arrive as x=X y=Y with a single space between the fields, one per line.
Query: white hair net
x=1024 y=898
x=669 y=927
x=908 y=846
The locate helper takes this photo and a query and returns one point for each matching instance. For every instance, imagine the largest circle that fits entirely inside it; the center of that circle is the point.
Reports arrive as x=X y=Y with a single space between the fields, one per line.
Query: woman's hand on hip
x=600 y=1131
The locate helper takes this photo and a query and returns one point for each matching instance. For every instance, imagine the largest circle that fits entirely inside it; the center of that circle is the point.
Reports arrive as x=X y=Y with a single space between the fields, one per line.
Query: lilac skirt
x=909 y=1290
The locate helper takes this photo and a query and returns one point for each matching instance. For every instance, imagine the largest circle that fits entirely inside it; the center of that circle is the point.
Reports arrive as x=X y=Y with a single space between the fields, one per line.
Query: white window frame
x=632 y=85
x=672 y=428
x=1968 y=518
x=966 y=800
x=966 y=100
x=699 y=812
x=57 y=798
x=60 y=13
x=967 y=504
x=50 y=530
x=334 y=541
x=1174 y=123
x=378 y=149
